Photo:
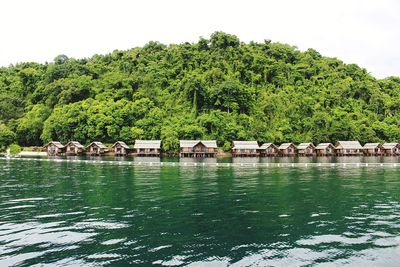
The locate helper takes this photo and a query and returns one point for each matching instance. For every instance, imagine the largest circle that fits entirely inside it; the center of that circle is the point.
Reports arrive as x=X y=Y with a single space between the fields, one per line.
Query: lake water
x=248 y=212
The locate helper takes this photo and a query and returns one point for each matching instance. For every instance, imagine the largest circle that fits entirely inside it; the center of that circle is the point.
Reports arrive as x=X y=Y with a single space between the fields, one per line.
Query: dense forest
x=218 y=88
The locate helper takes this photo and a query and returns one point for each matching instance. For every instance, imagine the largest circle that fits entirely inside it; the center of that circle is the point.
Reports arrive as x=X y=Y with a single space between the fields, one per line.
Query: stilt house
x=269 y=150
x=349 y=148
x=306 y=149
x=120 y=148
x=245 y=149
x=96 y=149
x=391 y=149
x=325 y=149
x=74 y=148
x=198 y=148
x=373 y=149
x=54 y=148
x=287 y=150
x=150 y=148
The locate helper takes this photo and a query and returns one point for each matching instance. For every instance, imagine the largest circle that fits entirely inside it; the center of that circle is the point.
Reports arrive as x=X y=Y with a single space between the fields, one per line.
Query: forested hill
x=218 y=88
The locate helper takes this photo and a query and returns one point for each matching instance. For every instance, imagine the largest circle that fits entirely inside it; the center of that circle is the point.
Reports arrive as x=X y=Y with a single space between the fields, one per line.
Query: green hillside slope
x=217 y=88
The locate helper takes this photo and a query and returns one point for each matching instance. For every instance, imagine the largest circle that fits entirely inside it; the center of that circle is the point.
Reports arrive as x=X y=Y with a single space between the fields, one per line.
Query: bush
x=15 y=149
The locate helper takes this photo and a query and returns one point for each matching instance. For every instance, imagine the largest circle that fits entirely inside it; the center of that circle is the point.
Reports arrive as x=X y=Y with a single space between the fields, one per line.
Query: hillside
x=217 y=88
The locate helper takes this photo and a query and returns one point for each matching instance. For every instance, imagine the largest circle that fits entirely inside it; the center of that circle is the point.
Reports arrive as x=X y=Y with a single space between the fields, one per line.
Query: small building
x=96 y=149
x=245 y=149
x=198 y=148
x=269 y=150
x=54 y=148
x=74 y=148
x=348 y=148
x=150 y=148
x=287 y=150
x=120 y=148
x=325 y=149
x=306 y=149
x=391 y=149
x=373 y=149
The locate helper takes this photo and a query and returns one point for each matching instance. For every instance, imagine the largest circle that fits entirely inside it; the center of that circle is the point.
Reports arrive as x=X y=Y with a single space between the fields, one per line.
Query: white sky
x=365 y=32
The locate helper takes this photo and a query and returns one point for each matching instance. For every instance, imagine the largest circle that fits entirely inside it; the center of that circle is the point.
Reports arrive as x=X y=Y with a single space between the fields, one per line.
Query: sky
x=365 y=32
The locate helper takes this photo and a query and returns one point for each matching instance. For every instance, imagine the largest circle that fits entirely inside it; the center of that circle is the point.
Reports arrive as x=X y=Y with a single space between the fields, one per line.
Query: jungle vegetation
x=218 y=88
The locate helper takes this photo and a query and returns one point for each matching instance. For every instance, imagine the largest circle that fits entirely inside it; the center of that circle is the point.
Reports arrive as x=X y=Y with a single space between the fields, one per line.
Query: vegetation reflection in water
x=71 y=213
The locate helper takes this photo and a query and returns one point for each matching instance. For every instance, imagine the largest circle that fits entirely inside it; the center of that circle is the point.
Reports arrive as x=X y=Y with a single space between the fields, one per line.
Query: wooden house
x=198 y=148
x=325 y=149
x=96 y=149
x=120 y=148
x=287 y=150
x=306 y=149
x=74 y=148
x=348 y=148
x=373 y=149
x=245 y=149
x=391 y=149
x=54 y=148
x=150 y=148
x=269 y=150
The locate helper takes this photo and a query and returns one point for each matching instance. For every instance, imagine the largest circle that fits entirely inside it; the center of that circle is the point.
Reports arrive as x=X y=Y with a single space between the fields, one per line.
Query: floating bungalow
x=54 y=148
x=287 y=149
x=120 y=148
x=198 y=148
x=269 y=150
x=74 y=148
x=245 y=149
x=391 y=149
x=373 y=149
x=306 y=149
x=149 y=148
x=96 y=149
x=325 y=149
x=348 y=148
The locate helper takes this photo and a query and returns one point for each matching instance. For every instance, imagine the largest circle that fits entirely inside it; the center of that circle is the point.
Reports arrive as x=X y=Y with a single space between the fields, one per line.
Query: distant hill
x=218 y=88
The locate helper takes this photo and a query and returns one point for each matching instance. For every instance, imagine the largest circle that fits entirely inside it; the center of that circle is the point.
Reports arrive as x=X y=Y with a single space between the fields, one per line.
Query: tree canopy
x=218 y=88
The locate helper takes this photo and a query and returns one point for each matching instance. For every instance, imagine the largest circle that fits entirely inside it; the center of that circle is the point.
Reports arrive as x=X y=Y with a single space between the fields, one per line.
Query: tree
x=7 y=137
x=30 y=126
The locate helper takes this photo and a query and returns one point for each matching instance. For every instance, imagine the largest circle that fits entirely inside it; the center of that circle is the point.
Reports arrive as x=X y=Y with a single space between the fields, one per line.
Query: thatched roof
x=285 y=146
x=121 y=144
x=390 y=145
x=98 y=144
x=245 y=145
x=192 y=143
x=324 y=146
x=152 y=144
x=55 y=143
x=371 y=145
x=348 y=145
x=74 y=143
x=305 y=145
x=267 y=145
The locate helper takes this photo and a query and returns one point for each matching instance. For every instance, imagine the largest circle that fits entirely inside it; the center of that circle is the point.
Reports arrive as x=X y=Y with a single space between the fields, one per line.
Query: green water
x=75 y=213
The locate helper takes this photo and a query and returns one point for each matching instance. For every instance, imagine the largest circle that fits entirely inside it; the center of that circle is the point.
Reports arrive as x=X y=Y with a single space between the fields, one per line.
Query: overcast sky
x=356 y=31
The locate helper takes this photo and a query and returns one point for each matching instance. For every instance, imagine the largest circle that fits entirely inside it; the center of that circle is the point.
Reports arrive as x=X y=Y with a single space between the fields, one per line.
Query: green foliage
x=30 y=126
x=15 y=149
x=7 y=137
x=217 y=88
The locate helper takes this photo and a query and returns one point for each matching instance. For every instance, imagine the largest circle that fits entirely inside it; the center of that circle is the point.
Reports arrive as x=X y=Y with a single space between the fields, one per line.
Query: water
x=61 y=213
